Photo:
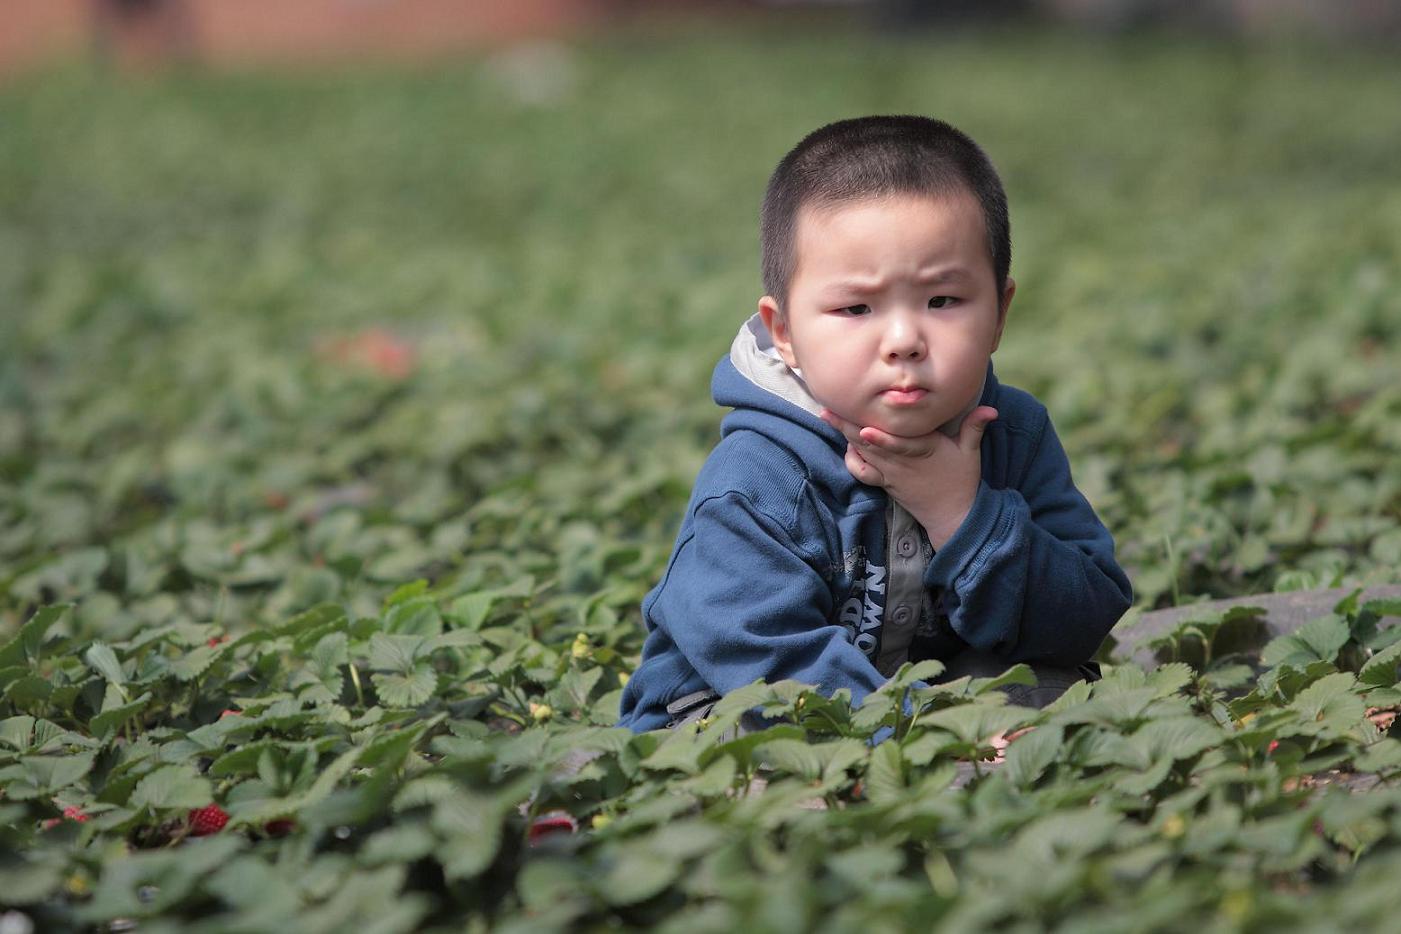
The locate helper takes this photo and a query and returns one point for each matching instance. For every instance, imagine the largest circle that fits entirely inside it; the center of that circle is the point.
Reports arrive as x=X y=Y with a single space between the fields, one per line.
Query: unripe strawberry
x=541 y=712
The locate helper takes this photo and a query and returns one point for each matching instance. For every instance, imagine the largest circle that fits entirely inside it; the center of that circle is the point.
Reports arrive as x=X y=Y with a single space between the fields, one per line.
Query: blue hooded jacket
x=779 y=566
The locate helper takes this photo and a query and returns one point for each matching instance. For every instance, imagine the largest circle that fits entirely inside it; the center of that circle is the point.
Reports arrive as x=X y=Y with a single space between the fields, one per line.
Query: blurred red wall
x=32 y=31
x=141 y=32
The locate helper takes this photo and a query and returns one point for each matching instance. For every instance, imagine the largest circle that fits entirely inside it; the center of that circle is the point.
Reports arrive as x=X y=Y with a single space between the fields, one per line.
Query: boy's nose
x=903 y=341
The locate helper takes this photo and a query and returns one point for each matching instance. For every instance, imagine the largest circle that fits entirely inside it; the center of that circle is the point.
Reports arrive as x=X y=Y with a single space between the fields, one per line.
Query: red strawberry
x=229 y=713
x=280 y=827
x=207 y=820
x=553 y=822
x=1274 y=744
x=72 y=812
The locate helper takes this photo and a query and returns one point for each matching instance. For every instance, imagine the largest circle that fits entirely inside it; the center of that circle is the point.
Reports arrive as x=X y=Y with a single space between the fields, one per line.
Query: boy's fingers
x=893 y=444
x=849 y=430
x=970 y=435
x=862 y=470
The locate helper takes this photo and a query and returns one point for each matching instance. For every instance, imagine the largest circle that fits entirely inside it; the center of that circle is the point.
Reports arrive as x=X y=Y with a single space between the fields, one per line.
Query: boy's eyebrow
x=855 y=286
x=948 y=274
x=871 y=286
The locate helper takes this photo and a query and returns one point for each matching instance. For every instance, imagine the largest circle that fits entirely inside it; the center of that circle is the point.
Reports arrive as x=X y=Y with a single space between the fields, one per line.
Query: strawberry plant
x=345 y=422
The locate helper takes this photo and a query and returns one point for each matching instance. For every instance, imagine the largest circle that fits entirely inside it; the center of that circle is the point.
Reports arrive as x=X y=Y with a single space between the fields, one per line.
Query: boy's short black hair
x=871 y=157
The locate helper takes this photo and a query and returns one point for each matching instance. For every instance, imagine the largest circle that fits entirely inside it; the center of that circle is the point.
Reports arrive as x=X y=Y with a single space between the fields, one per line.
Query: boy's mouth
x=904 y=395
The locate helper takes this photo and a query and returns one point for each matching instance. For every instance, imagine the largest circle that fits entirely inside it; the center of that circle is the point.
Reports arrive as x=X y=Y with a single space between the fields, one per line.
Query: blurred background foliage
x=273 y=336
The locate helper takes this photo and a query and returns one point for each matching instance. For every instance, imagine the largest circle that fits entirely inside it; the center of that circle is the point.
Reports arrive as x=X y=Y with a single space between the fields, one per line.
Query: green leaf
x=23 y=649
x=406 y=690
x=925 y=670
x=103 y=660
x=33 y=776
x=975 y=723
x=395 y=653
x=1331 y=701
x=1066 y=835
x=577 y=685
x=637 y=875
x=471 y=610
x=390 y=748
x=1383 y=607
x=414 y=617
x=1383 y=757
x=885 y=775
x=112 y=718
x=1173 y=738
x=31 y=879
x=716 y=779
x=1317 y=640
x=256 y=887
x=743 y=699
x=405 y=593
x=1170 y=678
x=172 y=787
x=399 y=844
x=330 y=653
x=873 y=711
x=863 y=867
x=16 y=731
x=470 y=825
x=679 y=752
x=794 y=756
x=243 y=759
x=257 y=810
x=1381 y=669
x=1029 y=755
x=319 y=616
x=1019 y=673
x=28 y=692
x=195 y=662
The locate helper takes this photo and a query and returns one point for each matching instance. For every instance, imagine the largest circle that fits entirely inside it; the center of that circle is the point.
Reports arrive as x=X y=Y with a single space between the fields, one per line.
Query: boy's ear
x=1006 y=302
x=777 y=323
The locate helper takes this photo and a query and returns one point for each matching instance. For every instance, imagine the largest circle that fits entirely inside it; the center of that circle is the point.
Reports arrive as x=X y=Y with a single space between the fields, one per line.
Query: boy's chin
x=904 y=424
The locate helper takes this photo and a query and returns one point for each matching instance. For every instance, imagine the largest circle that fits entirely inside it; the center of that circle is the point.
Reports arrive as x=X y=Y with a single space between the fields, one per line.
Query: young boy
x=877 y=496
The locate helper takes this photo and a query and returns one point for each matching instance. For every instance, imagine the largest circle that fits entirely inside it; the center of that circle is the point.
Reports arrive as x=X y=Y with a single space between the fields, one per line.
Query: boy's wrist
x=940 y=527
x=944 y=520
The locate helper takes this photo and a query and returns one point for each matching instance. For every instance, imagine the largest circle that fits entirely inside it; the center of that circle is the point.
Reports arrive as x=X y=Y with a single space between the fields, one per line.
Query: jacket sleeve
x=1030 y=574
x=742 y=601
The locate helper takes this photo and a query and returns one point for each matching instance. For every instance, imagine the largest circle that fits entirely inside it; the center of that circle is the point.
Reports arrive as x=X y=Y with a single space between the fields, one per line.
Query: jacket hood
x=771 y=397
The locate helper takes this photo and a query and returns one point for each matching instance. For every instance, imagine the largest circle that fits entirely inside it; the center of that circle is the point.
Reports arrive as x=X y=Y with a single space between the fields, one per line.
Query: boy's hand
x=933 y=476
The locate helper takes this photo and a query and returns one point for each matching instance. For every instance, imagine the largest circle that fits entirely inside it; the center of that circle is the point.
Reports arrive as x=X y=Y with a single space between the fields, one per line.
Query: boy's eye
x=941 y=301
x=855 y=310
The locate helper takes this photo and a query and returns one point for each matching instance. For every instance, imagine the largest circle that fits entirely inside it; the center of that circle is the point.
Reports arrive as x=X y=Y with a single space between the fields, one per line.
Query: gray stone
x=1284 y=612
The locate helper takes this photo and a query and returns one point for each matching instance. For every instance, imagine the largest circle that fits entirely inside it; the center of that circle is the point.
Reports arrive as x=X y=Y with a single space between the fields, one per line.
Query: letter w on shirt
x=862 y=611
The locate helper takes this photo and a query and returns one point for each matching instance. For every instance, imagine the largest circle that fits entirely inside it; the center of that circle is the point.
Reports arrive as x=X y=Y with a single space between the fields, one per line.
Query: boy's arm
x=1030 y=572
x=742 y=601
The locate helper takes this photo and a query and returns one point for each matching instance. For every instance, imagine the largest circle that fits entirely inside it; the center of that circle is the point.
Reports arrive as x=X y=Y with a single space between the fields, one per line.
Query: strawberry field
x=346 y=417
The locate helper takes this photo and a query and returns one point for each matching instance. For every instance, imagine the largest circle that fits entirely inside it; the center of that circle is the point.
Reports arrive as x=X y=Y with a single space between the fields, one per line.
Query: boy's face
x=892 y=310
